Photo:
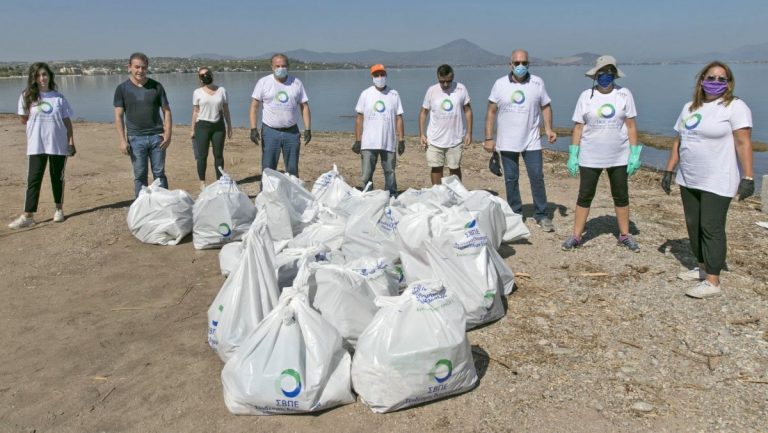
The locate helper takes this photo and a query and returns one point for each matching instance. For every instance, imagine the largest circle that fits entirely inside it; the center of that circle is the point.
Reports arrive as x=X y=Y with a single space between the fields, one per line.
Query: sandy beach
x=102 y=333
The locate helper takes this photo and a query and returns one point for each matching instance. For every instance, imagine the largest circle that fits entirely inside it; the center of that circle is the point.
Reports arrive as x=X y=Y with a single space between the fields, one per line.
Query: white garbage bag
x=505 y=273
x=413 y=230
x=222 y=214
x=415 y=350
x=330 y=188
x=488 y=214
x=247 y=296
x=229 y=257
x=437 y=194
x=285 y=201
x=328 y=230
x=361 y=234
x=159 y=216
x=382 y=275
x=289 y=261
x=293 y=362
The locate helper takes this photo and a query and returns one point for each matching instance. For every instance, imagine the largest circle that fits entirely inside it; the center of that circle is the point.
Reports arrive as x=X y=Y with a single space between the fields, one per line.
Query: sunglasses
x=716 y=78
x=525 y=63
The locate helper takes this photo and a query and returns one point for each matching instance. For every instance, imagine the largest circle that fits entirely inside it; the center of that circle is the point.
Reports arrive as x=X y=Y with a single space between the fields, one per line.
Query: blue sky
x=79 y=29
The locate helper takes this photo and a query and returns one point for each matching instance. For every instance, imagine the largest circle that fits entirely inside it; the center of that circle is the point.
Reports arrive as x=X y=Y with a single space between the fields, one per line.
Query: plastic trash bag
x=415 y=350
x=362 y=236
x=159 y=216
x=285 y=201
x=330 y=188
x=229 y=257
x=293 y=362
x=222 y=214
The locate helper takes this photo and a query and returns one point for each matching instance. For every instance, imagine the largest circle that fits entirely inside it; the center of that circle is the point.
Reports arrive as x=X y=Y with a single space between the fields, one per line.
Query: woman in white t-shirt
x=604 y=138
x=210 y=123
x=50 y=140
x=714 y=139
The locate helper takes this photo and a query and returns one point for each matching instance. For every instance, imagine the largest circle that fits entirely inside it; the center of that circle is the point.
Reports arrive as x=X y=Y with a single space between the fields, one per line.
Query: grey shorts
x=445 y=157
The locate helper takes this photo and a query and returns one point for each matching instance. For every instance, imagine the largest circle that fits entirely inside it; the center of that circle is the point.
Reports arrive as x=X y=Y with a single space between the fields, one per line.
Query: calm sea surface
x=659 y=90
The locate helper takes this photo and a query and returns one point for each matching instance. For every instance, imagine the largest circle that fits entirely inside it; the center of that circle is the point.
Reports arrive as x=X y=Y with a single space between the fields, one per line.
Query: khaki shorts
x=445 y=157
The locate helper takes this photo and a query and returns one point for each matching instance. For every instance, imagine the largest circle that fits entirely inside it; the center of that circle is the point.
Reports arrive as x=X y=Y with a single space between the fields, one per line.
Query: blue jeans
x=276 y=140
x=143 y=148
x=534 y=164
x=368 y=159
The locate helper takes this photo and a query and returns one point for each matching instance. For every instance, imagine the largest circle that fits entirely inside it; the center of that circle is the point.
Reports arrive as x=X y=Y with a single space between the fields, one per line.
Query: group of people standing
x=713 y=150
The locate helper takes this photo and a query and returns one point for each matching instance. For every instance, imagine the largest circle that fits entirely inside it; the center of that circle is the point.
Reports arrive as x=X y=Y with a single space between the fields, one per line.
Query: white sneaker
x=202 y=185
x=695 y=274
x=58 y=216
x=21 y=222
x=704 y=289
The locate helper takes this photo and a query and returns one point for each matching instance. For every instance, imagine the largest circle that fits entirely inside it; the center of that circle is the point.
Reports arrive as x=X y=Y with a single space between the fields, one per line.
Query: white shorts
x=445 y=156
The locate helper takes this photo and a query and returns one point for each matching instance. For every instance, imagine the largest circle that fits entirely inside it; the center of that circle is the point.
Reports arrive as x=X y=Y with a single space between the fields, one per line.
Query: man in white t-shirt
x=450 y=128
x=281 y=95
x=520 y=102
x=378 y=122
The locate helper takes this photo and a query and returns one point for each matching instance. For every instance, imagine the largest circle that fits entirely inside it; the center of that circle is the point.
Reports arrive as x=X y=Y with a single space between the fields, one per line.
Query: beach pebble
x=642 y=407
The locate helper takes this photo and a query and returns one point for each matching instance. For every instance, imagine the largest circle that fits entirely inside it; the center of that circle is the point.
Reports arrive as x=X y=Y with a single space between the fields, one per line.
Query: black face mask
x=206 y=78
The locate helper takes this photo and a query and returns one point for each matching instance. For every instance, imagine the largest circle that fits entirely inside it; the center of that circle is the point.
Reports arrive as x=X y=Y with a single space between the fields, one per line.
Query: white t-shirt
x=446 y=115
x=604 y=139
x=210 y=106
x=379 y=110
x=280 y=100
x=519 y=113
x=708 y=159
x=46 y=132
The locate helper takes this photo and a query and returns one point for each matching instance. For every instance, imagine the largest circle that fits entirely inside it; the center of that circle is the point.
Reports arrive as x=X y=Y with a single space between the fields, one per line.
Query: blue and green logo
x=379 y=106
x=281 y=96
x=289 y=383
x=692 y=121
x=224 y=229
x=518 y=97
x=442 y=370
x=45 y=107
x=606 y=111
x=471 y=224
x=446 y=105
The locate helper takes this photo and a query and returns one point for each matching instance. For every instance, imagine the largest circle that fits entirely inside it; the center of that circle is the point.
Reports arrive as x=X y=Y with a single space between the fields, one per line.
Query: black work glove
x=400 y=147
x=356 y=147
x=746 y=188
x=307 y=136
x=666 y=182
x=494 y=165
x=255 y=136
x=71 y=150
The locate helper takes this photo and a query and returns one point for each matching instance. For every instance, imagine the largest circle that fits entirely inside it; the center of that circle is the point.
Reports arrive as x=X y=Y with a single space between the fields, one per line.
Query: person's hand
x=124 y=147
x=229 y=132
x=166 y=141
x=400 y=147
x=192 y=134
x=72 y=150
x=307 y=136
x=356 y=147
x=489 y=145
x=573 y=160
x=255 y=136
x=746 y=188
x=633 y=164
x=666 y=181
x=551 y=136
x=424 y=142
x=467 y=140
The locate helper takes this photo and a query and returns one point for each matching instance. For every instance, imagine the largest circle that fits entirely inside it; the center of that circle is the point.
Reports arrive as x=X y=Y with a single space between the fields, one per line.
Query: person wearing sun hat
x=378 y=124
x=714 y=152
x=604 y=138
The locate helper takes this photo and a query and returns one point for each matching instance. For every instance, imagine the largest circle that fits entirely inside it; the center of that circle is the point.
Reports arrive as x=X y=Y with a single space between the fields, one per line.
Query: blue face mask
x=281 y=72
x=604 y=80
x=520 y=71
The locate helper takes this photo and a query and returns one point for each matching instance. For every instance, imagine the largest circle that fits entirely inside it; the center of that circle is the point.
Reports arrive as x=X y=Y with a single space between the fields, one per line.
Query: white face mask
x=281 y=72
x=380 y=82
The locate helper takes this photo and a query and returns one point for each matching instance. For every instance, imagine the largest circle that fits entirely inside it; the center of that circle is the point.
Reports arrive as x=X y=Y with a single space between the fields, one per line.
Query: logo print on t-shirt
x=692 y=121
x=518 y=97
x=45 y=107
x=606 y=111
x=281 y=96
x=446 y=105
x=379 y=106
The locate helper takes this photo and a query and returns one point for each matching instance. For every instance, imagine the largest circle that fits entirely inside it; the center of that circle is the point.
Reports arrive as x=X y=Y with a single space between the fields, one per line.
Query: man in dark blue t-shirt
x=144 y=134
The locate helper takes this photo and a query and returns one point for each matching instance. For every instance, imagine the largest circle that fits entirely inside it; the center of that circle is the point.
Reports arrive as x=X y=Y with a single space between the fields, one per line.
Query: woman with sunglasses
x=604 y=138
x=50 y=140
x=714 y=139
x=210 y=120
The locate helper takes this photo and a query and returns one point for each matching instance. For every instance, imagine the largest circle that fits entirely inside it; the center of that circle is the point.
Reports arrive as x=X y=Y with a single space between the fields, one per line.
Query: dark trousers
x=35 y=175
x=705 y=215
x=617 y=177
x=209 y=134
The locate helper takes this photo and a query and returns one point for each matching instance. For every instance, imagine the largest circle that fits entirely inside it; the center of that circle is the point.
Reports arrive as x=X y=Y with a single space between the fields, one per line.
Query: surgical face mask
x=714 y=88
x=520 y=71
x=604 y=80
x=281 y=72
x=380 y=82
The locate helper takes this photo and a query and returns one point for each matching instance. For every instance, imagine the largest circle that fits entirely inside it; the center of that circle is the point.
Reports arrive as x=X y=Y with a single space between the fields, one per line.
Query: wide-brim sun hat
x=602 y=62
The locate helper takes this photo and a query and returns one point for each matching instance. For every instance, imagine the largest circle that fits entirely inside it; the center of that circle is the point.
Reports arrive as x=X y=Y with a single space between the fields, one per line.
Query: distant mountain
x=576 y=59
x=212 y=56
x=747 y=53
x=460 y=52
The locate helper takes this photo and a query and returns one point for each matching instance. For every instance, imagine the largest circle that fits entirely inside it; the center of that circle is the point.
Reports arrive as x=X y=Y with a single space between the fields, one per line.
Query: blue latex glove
x=634 y=159
x=573 y=159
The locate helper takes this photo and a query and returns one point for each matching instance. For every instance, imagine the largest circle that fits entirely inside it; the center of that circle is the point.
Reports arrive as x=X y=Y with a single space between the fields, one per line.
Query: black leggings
x=35 y=175
x=705 y=215
x=588 y=185
x=209 y=133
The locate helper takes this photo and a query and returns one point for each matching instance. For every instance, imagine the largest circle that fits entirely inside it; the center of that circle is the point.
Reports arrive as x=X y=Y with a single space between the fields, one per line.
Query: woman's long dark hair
x=698 y=91
x=32 y=93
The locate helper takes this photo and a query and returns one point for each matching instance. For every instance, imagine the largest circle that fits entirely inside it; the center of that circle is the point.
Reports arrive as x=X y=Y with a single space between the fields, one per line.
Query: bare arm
x=167 y=127
x=422 y=120
x=631 y=130
x=468 y=117
x=674 y=155
x=489 y=144
x=120 y=127
x=743 y=141
x=306 y=116
x=70 y=131
x=227 y=120
x=546 y=114
x=253 y=113
x=24 y=118
x=195 y=110
x=358 y=127
x=578 y=128
x=400 y=127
